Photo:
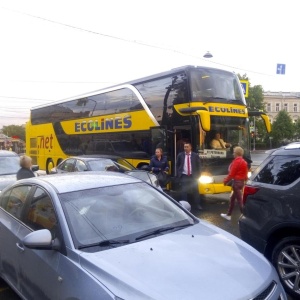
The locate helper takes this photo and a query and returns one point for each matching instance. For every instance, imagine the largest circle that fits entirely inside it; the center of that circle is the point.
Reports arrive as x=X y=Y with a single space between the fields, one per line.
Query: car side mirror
x=35 y=168
x=40 y=239
x=186 y=205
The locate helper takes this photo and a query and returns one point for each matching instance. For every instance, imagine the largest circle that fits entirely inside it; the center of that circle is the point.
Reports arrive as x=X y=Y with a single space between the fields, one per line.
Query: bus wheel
x=50 y=165
x=59 y=161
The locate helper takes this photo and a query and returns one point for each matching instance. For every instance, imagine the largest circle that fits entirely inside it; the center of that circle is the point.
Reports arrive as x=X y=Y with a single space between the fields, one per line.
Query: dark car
x=9 y=166
x=110 y=236
x=271 y=214
x=85 y=163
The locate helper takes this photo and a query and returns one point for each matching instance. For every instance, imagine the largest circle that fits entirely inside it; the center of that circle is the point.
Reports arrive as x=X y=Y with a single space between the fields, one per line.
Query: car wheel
x=286 y=259
x=50 y=165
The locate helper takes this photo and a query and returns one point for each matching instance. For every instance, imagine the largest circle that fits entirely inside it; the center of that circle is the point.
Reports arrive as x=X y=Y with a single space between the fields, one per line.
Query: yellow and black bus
x=132 y=119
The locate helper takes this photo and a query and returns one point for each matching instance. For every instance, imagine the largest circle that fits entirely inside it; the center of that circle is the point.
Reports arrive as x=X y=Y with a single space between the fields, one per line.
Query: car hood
x=199 y=262
x=6 y=180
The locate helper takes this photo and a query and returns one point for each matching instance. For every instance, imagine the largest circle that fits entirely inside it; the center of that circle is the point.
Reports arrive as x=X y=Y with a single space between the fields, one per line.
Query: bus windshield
x=233 y=131
x=212 y=85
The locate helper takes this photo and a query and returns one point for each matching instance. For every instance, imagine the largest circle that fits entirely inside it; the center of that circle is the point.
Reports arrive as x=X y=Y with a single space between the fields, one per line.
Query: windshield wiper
x=105 y=243
x=160 y=230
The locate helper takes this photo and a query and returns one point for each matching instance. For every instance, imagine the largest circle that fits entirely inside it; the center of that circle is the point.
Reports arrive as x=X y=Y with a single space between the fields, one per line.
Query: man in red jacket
x=238 y=171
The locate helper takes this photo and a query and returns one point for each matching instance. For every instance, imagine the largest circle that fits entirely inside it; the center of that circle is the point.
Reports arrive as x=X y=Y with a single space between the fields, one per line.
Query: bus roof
x=131 y=82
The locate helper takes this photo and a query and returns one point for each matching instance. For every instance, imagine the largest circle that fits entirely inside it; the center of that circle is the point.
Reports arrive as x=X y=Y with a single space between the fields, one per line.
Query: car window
x=41 y=213
x=280 y=170
x=80 y=166
x=100 y=164
x=124 y=165
x=14 y=200
x=9 y=165
x=119 y=211
x=68 y=165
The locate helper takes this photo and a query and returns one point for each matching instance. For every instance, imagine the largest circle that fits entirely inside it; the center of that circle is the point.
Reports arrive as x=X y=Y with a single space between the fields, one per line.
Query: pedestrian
x=159 y=165
x=25 y=171
x=238 y=173
x=188 y=172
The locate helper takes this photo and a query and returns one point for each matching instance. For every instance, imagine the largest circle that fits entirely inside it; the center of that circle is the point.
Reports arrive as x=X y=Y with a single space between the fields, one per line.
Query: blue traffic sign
x=280 y=69
x=245 y=87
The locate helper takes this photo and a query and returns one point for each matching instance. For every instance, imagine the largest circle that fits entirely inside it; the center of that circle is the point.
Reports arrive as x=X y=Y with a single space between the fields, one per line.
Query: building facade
x=277 y=101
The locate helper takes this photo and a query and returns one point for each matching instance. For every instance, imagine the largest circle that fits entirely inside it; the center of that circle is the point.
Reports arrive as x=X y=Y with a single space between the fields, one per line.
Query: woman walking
x=238 y=172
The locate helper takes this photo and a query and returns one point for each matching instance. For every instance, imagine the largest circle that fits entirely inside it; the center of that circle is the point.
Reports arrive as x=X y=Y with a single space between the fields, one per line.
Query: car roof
x=5 y=153
x=290 y=149
x=69 y=182
x=93 y=156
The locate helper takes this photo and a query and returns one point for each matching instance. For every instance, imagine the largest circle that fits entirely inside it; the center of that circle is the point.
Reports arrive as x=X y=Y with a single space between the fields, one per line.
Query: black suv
x=271 y=215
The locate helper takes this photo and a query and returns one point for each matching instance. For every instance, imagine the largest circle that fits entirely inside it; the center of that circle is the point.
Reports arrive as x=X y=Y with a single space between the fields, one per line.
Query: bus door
x=182 y=134
x=158 y=137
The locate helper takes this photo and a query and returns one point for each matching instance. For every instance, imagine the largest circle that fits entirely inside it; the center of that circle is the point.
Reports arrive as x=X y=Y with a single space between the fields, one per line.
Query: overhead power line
x=132 y=41
x=34 y=99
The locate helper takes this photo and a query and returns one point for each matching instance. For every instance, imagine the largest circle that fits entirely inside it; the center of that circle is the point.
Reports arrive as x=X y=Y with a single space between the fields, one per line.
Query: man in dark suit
x=188 y=172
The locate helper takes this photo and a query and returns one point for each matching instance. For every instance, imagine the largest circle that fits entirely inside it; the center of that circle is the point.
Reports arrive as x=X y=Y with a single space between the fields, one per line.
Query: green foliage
x=283 y=128
x=255 y=100
x=14 y=130
x=297 y=129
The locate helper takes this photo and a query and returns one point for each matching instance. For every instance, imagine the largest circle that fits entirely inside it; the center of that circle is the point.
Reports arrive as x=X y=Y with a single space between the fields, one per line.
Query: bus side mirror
x=204 y=119
x=267 y=122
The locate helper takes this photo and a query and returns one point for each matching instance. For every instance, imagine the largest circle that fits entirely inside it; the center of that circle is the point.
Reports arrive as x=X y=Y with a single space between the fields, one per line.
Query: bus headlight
x=249 y=173
x=205 y=179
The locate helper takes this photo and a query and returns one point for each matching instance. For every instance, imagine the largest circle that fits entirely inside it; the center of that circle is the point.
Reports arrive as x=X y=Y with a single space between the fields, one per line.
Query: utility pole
x=254 y=134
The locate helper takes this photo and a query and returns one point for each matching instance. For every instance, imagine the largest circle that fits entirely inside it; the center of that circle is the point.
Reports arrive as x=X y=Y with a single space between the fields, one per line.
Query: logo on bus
x=221 y=109
x=104 y=124
x=45 y=142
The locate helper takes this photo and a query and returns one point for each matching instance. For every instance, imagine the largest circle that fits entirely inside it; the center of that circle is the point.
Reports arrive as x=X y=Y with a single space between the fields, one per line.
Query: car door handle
x=20 y=247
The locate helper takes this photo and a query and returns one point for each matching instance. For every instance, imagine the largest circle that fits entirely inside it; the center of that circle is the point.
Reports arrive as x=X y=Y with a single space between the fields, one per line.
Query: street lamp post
x=254 y=134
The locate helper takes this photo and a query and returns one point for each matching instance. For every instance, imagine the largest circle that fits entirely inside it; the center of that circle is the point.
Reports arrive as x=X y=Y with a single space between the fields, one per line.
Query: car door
x=38 y=273
x=12 y=205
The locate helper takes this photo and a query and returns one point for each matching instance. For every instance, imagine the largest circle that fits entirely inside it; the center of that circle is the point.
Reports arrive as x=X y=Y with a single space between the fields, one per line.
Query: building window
x=285 y=106
x=277 y=107
x=268 y=107
x=295 y=107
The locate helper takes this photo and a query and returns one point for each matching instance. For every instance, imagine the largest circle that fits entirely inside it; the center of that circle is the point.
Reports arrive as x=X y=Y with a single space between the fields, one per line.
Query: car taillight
x=249 y=190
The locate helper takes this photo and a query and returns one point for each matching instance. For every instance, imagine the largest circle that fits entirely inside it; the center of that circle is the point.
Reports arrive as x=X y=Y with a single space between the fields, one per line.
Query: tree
x=297 y=129
x=255 y=99
x=283 y=128
x=14 y=130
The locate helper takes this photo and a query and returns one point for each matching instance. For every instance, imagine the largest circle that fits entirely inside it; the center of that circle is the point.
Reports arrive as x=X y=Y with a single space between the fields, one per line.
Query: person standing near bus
x=158 y=165
x=25 y=171
x=238 y=172
x=188 y=172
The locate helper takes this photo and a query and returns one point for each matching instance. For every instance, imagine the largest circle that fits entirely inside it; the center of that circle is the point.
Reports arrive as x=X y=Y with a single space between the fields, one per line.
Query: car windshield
x=9 y=165
x=118 y=213
x=103 y=164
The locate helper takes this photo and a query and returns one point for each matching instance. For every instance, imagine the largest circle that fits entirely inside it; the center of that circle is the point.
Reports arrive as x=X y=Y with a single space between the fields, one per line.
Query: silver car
x=108 y=235
x=9 y=166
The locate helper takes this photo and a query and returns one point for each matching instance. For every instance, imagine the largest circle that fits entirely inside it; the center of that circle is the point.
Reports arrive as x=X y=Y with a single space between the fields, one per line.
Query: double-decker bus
x=132 y=119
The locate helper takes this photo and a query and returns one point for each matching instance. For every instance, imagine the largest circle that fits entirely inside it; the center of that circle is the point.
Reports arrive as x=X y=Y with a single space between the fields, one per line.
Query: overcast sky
x=51 y=50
